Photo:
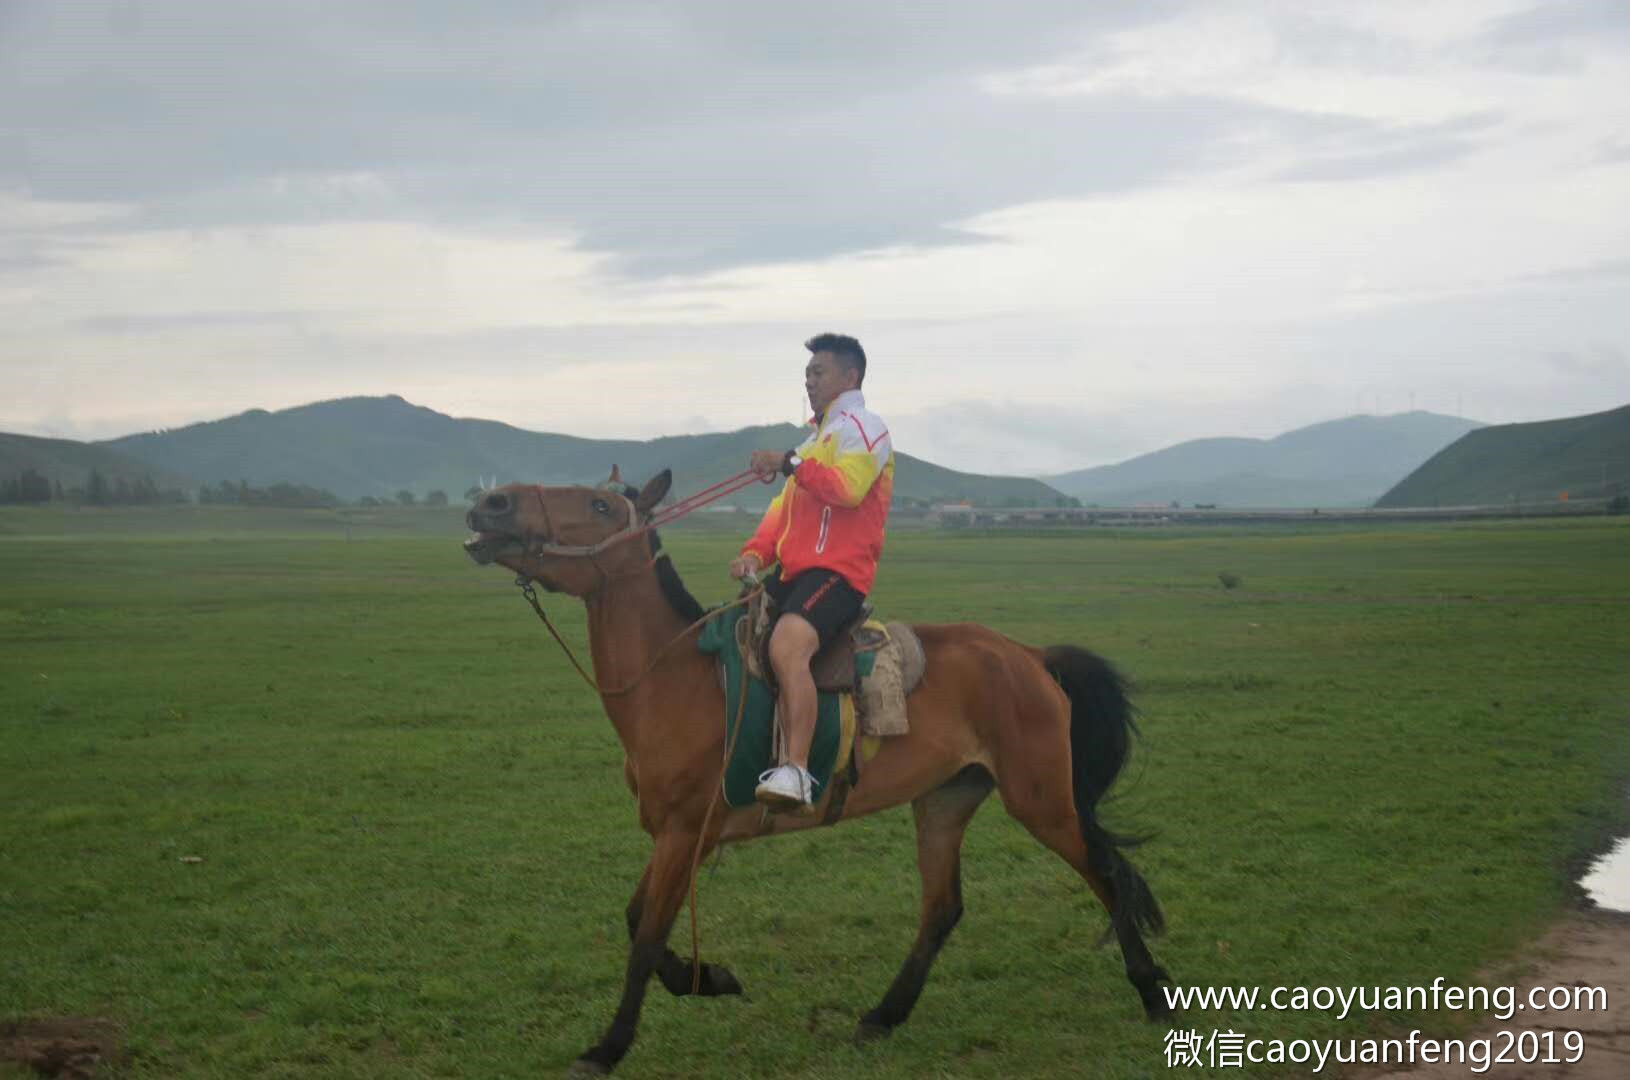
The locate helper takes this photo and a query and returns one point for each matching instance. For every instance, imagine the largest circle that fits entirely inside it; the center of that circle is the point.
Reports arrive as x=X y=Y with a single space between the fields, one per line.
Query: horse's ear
x=616 y=479
x=655 y=488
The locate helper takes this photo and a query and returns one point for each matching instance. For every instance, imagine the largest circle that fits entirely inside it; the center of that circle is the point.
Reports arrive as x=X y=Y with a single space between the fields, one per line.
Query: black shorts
x=822 y=596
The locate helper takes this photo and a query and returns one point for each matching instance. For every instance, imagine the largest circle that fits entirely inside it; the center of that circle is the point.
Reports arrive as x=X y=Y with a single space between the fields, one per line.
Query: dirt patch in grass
x=1589 y=949
x=67 y=1046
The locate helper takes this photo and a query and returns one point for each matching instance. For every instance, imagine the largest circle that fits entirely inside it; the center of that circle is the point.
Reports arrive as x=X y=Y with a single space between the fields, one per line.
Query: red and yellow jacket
x=832 y=512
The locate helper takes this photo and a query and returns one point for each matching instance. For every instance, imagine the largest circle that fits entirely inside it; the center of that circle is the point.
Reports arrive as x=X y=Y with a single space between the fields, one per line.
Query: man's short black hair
x=844 y=347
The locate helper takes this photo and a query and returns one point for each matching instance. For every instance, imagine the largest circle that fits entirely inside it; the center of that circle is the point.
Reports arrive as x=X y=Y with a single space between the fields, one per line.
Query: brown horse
x=1048 y=728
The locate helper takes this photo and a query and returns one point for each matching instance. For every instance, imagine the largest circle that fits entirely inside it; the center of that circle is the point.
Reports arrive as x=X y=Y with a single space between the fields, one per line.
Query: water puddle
x=1608 y=882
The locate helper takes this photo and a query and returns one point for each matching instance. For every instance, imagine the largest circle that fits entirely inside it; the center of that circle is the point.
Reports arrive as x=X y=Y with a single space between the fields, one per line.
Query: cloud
x=1601 y=363
x=25 y=262
x=1605 y=270
x=1562 y=20
x=24 y=214
x=1554 y=38
x=187 y=320
x=1426 y=154
x=609 y=217
x=673 y=139
x=1612 y=152
x=1008 y=437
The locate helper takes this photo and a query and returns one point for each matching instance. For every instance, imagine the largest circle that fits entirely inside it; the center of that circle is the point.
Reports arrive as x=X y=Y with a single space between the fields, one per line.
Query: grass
x=1372 y=763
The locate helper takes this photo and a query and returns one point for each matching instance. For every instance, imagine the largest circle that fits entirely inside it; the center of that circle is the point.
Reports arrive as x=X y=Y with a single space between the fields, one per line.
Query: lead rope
x=531 y=595
x=701 y=837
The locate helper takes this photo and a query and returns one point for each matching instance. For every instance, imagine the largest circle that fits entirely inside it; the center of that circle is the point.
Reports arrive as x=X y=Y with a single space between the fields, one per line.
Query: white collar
x=846 y=401
x=849 y=399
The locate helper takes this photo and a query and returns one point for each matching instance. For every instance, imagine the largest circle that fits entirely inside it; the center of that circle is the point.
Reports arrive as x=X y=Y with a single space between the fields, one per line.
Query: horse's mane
x=679 y=597
x=673 y=589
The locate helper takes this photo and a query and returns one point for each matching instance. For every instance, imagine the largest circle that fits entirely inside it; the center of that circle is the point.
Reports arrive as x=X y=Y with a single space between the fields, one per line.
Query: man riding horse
x=825 y=529
x=1049 y=728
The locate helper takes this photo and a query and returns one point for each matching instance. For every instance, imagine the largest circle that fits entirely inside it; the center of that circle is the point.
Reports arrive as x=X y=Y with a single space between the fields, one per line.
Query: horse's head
x=568 y=539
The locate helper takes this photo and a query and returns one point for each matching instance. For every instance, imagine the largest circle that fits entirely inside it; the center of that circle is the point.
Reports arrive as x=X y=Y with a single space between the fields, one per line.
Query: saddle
x=840 y=664
x=864 y=677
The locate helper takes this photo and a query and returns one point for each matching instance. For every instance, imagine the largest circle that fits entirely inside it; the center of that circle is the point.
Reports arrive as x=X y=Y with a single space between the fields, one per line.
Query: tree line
x=406 y=498
x=32 y=486
x=243 y=493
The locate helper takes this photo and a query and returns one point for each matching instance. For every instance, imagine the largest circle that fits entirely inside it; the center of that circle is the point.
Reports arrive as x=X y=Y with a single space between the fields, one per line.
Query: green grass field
x=1372 y=763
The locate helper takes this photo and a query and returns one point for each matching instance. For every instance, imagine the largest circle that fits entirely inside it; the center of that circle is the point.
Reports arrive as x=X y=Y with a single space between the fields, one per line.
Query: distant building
x=957 y=513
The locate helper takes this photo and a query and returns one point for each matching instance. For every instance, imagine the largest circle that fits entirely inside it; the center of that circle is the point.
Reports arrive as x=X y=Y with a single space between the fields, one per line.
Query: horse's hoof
x=718 y=981
x=584 y=1067
x=1156 y=1007
x=1156 y=1011
x=866 y=1032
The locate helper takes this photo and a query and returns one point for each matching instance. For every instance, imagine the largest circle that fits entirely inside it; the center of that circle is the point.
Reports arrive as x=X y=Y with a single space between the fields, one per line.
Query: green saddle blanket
x=755 y=746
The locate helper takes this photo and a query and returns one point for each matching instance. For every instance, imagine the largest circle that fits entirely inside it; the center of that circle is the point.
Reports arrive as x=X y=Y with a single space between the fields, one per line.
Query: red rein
x=706 y=495
x=633 y=529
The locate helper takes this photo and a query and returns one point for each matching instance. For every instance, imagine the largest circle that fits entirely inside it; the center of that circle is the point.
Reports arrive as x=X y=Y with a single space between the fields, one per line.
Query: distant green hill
x=70 y=463
x=380 y=445
x=1346 y=462
x=1585 y=456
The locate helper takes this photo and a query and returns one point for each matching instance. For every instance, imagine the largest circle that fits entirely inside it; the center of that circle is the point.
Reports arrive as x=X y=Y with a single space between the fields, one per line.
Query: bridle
x=631 y=530
x=546 y=545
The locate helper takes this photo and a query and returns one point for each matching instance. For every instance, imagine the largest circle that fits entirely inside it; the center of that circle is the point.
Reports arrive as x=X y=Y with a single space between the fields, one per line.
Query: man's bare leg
x=792 y=646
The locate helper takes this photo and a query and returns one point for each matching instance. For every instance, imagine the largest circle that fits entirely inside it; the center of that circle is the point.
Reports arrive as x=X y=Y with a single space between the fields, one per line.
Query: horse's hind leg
x=1049 y=813
x=942 y=818
x=674 y=972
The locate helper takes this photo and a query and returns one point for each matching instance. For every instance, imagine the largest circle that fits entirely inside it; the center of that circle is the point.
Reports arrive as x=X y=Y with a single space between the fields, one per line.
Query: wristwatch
x=790 y=462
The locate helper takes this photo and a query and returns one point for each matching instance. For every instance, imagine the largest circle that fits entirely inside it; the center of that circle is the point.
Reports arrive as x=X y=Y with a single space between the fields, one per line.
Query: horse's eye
x=601 y=506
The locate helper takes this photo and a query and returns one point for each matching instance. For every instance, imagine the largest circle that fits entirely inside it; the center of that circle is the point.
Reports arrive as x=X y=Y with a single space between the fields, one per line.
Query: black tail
x=1101 y=732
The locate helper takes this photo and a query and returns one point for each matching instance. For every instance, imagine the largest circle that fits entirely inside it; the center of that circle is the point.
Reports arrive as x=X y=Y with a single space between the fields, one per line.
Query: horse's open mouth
x=486 y=547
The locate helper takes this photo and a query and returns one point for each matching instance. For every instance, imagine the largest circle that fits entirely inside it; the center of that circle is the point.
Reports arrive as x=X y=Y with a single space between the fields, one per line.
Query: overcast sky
x=1065 y=232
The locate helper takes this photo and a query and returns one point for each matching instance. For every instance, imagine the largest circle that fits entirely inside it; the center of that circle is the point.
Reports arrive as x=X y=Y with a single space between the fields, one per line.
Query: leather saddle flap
x=834 y=666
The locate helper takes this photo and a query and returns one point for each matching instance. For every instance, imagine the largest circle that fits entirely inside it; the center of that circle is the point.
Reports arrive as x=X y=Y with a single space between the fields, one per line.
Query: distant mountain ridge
x=1338 y=463
x=1587 y=457
x=378 y=445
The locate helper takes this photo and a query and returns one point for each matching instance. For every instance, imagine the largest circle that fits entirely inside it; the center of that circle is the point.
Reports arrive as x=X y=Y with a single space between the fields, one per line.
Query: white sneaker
x=786 y=787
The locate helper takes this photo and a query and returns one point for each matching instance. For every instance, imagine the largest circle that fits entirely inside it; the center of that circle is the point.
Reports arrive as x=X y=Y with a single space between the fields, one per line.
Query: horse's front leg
x=665 y=886
x=675 y=973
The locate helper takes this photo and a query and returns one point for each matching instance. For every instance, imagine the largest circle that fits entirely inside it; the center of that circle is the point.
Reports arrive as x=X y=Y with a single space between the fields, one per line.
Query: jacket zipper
x=789 y=496
x=826 y=528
